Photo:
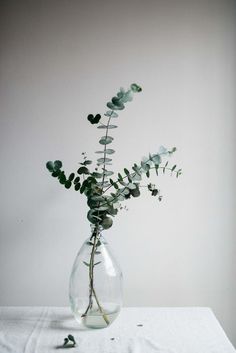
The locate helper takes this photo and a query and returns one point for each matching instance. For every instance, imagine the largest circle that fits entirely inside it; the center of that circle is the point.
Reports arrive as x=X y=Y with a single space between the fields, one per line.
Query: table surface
x=163 y=330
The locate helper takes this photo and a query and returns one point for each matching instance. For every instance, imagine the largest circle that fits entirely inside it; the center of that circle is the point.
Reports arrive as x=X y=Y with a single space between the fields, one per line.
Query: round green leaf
x=135 y=192
x=83 y=170
x=135 y=88
x=103 y=160
x=50 y=166
x=56 y=173
x=77 y=179
x=118 y=103
x=115 y=107
x=57 y=165
x=71 y=177
x=106 y=140
x=67 y=184
x=106 y=222
x=111 y=114
x=94 y=119
x=77 y=186
x=62 y=178
x=110 y=151
x=156 y=158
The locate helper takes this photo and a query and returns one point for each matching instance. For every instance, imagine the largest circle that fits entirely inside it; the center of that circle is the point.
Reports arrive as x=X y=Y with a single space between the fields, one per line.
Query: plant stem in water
x=92 y=291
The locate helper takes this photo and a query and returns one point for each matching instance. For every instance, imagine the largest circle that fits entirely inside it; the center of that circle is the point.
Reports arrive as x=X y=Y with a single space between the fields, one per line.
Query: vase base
x=95 y=320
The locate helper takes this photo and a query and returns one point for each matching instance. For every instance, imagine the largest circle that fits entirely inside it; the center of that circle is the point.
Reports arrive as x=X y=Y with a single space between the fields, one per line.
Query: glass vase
x=95 y=284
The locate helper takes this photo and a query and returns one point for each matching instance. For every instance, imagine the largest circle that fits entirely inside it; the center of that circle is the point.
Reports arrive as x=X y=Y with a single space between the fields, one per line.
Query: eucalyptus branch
x=177 y=172
x=94 y=184
x=105 y=149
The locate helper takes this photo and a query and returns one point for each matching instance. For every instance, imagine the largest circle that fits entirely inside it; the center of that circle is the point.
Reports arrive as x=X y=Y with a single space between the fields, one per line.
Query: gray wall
x=61 y=60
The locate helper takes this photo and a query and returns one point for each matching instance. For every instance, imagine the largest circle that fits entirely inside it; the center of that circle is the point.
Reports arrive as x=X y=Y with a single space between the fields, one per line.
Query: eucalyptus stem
x=92 y=291
x=105 y=152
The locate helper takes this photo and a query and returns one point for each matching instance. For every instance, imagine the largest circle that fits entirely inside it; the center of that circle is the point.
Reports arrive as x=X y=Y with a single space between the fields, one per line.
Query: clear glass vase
x=95 y=284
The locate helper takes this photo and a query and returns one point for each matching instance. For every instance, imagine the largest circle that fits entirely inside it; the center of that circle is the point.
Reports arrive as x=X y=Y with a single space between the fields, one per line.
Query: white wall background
x=61 y=60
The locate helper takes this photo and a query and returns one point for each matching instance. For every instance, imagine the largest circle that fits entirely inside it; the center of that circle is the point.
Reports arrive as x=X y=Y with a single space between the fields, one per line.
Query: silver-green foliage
x=105 y=194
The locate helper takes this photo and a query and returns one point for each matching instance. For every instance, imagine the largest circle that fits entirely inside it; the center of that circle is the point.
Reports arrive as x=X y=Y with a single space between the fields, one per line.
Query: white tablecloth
x=164 y=330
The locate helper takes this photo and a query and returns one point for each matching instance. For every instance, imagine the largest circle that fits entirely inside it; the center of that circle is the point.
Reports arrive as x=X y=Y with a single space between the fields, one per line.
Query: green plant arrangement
x=105 y=192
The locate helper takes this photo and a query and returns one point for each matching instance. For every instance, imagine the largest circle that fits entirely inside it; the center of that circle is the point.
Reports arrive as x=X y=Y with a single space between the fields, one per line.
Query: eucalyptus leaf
x=135 y=88
x=102 y=208
x=111 y=114
x=106 y=222
x=120 y=198
x=97 y=198
x=77 y=186
x=86 y=263
x=112 y=211
x=106 y=140
x=107 y=126
x=156 y=158
x=56 y=173
x=116 y=205
x=108 y=173
x=131 y=186
x=125 y=191
x=97 y=175
x=67 y=184
x=71 y=177
x=71 y=338
x=136 y=169
x=135 y=192
x=57 y=165
x=77 y=179
x=97 y=263
x=145 y=167
x=118 y=103
x=93 y=217
x=113 y=106
x=94 y=119
x=102 y=160
x=62 y=178
x=136 y=177
x=50 y=166
x=122 y=182
x=83 y=170
x=110 y=151
x=105 y=183
x=128 y=96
